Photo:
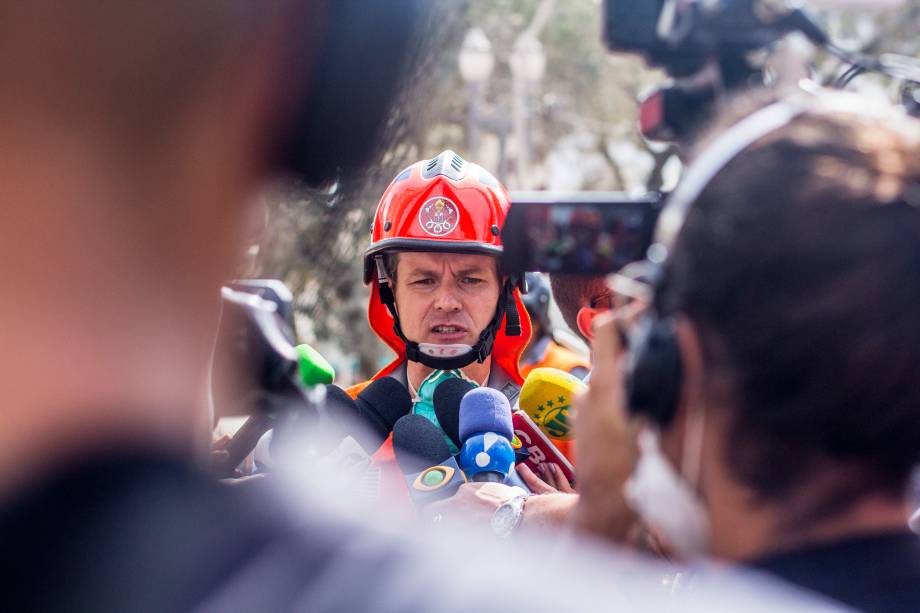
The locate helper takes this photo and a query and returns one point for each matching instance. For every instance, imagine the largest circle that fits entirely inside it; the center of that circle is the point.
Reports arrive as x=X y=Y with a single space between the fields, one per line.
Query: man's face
x=446 y=298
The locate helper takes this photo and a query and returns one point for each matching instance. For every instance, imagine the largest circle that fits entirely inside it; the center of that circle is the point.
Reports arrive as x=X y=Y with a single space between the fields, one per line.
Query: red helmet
x=444 y=204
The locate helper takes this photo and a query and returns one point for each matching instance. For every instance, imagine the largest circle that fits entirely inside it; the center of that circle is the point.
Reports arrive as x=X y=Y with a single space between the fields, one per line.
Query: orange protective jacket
x=558 y=357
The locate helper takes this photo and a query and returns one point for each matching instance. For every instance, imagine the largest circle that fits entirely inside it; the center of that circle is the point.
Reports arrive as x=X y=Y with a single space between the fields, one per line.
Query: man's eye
x=422 y=282
x=472 y=280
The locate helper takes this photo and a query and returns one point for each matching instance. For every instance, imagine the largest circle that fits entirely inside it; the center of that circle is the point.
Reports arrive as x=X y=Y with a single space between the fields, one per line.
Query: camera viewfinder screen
x=587 y=237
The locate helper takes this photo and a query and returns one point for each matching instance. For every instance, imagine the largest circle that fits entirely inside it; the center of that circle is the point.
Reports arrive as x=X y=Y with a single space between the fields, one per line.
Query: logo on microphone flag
x=433 y=478
x=547 y=397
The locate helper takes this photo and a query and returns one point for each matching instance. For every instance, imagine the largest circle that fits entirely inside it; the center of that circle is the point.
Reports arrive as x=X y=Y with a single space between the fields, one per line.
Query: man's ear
x=585 y=319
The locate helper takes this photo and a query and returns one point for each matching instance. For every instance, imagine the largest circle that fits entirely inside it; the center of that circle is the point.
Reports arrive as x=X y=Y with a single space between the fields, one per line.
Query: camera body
x=681 y=36
x=703 y=45
x=254 y=366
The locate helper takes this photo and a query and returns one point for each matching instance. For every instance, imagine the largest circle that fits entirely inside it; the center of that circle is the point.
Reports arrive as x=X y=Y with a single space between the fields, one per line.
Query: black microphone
x=446 y=399
x=339 y=419
x=383 y=403
x=370 y=417
x=425 y=460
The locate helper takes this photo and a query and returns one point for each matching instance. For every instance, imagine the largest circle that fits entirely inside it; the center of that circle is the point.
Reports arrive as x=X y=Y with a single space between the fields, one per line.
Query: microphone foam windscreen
x=342 y=418
x=485 y=410
x=418 y=444
x=312 y=367
x=338 y=407
x=547 y=396
x=386 y=399
x=447 y=396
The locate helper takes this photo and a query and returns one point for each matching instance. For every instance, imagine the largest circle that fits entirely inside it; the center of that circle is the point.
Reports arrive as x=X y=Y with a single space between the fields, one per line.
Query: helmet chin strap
x=449 y=357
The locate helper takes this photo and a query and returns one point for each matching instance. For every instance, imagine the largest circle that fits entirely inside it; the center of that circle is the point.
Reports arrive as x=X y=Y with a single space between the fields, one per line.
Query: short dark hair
x=572 y=292
x=800 y=266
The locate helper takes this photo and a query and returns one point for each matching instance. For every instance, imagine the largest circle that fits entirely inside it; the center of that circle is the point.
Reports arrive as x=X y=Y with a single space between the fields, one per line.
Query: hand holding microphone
x=477 y=419
x=544 y=421
x=541 y=449
x=532 y=447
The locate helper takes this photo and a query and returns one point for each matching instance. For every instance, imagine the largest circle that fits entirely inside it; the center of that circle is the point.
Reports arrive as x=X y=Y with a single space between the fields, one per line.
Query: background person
x=543 y=350
x=437 y=299
x=580 y=299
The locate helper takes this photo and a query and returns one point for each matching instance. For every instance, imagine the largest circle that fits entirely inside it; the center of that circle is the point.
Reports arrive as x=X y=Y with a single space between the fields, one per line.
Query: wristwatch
x=508 y=516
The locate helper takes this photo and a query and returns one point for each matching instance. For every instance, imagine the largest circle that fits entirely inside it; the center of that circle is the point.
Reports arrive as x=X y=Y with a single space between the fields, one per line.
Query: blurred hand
x=548 y=508
x=553 y=480
x=473 y=502
x=218 y=448
x=219 y=454
x=643 y=538
x=605 y=441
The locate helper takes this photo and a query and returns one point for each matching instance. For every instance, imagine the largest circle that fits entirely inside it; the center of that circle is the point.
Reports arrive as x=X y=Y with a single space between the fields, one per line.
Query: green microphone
x=313 y=368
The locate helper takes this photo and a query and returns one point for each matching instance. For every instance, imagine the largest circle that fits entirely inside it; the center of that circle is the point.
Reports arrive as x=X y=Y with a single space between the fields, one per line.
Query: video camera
x=254 y=368
x=586 y=233
x=710 y=49
x=705 y=46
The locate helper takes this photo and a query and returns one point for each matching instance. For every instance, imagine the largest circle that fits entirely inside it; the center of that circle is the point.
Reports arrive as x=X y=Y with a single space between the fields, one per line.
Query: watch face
x=503 y=520
x=507 y=517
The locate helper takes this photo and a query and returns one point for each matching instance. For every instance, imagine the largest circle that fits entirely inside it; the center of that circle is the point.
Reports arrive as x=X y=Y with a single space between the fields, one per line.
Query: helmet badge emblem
x=438 y=216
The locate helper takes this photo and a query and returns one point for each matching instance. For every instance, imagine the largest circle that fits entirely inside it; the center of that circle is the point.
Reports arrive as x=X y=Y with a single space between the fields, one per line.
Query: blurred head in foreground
x=136 y=136
x=793 y=287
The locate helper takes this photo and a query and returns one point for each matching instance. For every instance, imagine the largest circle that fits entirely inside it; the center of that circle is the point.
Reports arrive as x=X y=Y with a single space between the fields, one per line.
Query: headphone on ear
x=654 y=372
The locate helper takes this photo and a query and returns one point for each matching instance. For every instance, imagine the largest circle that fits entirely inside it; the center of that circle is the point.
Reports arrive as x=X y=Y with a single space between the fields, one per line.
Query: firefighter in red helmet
x=438 y=299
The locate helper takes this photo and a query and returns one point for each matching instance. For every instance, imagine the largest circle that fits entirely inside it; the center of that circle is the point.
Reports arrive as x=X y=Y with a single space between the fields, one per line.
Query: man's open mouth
x=447 y=329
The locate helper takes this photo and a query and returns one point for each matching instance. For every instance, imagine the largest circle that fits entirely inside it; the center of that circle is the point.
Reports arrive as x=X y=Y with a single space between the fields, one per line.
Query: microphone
x=446 y=399
x=547 y=396
x=338 y=418
x=486 y=431
x=312 y=368
x=382 y=404
x=539 y=446
x=424 y=458
x=370 y=417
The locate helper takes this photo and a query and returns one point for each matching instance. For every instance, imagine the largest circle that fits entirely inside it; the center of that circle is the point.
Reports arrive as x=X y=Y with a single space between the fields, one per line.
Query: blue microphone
x=486 y=431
